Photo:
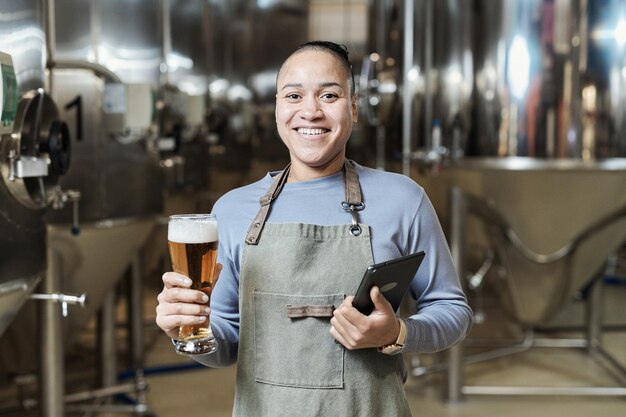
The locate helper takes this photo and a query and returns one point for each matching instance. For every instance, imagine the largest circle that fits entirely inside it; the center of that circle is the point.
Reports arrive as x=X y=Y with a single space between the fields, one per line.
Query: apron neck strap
x=352 y=186
x=353 y=203
x=254 y=231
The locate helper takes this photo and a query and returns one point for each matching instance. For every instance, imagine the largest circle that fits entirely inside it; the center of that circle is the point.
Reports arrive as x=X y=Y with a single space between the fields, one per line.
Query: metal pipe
x=97 y=69
x=519 y=390
x=136 y=327
x=380 y=147
x=110 y=409
x=525 y=345
x=50 y=28
x=520 y=347
x=594 y=313
x=108 y=362
x=102 y=392
x=64 y=299
x=52 y=355
x=50 y=25
x=458 y=213
x=428 y=76
x=382 y=31
x=167 y=40
x=136 y=316
x=619 y=368
x=493 y=217
x=407 y=98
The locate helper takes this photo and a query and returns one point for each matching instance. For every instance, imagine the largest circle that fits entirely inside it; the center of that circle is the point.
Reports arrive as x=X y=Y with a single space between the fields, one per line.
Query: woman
x=302 y=237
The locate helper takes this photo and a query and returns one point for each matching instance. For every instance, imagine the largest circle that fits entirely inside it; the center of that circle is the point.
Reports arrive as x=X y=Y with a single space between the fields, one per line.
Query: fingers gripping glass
x=192 y=242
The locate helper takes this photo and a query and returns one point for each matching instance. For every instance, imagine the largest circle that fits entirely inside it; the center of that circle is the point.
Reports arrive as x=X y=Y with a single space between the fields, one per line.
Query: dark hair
x=339 y=51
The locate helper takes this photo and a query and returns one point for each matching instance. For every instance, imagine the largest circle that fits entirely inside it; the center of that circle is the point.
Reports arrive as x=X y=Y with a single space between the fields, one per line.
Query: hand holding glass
x=192 y=242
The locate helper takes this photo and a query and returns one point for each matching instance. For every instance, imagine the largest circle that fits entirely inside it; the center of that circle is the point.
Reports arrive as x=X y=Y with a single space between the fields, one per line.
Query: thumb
x=379 y=300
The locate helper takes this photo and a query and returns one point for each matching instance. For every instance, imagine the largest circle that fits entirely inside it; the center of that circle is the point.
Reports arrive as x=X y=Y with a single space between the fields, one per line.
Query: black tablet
x=392 y=277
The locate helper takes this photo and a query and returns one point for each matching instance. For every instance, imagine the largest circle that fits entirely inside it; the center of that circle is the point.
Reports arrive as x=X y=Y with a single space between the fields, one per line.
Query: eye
x=293 y=96
x=329 y=96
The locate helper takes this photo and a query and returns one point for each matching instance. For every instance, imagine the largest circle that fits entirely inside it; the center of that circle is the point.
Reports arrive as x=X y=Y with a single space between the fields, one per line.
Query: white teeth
x=306 y=131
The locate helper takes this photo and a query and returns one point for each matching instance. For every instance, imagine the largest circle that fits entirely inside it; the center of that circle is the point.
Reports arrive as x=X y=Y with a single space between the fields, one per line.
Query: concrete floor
x=209 y=392
x=176 y=387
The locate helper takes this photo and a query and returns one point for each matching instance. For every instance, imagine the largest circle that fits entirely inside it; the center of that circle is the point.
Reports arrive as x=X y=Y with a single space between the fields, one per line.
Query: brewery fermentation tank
x=550 y=224
x=34 y=154
x=104 y=72
x=22 y=226
x=521 y=107
x=547 y=151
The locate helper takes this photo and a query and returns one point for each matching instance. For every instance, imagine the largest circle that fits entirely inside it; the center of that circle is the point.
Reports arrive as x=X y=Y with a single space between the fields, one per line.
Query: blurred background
x=115 y=114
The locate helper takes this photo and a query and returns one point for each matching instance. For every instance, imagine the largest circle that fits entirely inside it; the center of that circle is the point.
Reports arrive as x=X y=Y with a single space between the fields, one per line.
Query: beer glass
x=192 y=242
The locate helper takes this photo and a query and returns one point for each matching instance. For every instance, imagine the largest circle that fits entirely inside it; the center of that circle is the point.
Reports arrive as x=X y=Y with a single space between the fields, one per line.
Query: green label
x=9 y=96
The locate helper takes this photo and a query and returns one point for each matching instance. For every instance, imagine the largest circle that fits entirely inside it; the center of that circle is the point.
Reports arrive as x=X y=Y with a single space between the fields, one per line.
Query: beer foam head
x=192 y=229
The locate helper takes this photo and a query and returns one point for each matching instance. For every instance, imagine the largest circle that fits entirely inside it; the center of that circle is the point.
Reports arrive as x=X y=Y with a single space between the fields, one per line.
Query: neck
x=300 y=172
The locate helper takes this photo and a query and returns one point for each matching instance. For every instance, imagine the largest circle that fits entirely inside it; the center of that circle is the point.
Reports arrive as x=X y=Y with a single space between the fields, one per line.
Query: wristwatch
x=396 y=347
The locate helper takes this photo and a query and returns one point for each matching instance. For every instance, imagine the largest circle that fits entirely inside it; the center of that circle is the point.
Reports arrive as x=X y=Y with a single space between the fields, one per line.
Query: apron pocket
x=296 y=352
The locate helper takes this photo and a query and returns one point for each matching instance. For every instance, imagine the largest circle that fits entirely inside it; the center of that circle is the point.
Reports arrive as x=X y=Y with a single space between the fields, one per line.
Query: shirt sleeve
x=442 y=316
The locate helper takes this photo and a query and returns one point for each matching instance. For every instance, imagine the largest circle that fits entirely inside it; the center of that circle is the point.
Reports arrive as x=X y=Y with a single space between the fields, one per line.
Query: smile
x=307 y=131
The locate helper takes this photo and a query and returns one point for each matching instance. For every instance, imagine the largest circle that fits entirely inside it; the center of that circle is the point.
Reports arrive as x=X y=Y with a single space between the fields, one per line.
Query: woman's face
x=314 y=111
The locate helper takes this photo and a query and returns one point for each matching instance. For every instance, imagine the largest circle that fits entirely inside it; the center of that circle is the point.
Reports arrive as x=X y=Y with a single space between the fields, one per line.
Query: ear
x=355 y=109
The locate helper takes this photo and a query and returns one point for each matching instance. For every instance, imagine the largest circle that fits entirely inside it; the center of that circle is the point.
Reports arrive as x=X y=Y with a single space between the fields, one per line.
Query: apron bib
x=291 y=280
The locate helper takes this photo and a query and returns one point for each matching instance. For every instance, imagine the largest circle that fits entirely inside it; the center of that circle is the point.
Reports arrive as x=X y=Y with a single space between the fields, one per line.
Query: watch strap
x=398 y=345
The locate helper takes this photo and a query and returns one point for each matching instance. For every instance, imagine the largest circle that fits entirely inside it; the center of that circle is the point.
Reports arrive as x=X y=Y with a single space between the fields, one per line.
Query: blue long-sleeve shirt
x=402 y=221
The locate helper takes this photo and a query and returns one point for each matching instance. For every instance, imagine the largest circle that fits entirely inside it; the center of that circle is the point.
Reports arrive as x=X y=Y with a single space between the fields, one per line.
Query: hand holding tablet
x=391 y=277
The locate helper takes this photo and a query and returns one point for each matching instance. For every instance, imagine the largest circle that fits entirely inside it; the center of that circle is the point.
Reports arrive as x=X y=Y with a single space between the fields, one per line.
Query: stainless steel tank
x=418 y=79
x=34 y=153
x=182 y=93
x=105 y=69
x=22 y=227
x=546 y=91
x=521 y=105
x=546 y=130
x=552 y=226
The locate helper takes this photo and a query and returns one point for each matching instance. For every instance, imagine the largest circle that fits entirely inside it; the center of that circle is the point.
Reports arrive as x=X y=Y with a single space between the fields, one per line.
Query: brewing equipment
x=35 y=146
x=519 y=112
x=519 y=109
x=105 y=70
x=105 y=94
x=547 y=94
x=517 y=116
x=21 y=225
x=34 y=154
x=182 y=136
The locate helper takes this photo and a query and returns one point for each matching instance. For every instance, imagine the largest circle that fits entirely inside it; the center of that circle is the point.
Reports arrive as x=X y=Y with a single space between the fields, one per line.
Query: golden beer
x=192 y=241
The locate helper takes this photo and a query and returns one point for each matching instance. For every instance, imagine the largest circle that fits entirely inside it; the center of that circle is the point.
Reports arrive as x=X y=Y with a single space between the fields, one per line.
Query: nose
x=310 y=109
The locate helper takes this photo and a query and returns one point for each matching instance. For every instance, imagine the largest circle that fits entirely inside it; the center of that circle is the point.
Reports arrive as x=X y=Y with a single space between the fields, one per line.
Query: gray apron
x=291 y=280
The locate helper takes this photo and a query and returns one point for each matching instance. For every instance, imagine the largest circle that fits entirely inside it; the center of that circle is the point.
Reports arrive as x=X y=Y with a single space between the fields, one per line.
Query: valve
x=60 y=198
x=431 y=159
x=64 y=299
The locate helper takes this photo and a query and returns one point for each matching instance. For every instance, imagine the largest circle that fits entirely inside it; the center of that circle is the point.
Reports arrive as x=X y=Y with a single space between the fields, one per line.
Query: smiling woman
x=294 y=243
x=315 y=111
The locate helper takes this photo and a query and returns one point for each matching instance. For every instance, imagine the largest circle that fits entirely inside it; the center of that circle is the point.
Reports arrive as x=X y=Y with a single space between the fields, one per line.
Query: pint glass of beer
x=192 y=242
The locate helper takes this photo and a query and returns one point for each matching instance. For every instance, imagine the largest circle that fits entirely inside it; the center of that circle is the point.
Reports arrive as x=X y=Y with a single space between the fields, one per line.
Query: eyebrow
x=323 y=85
